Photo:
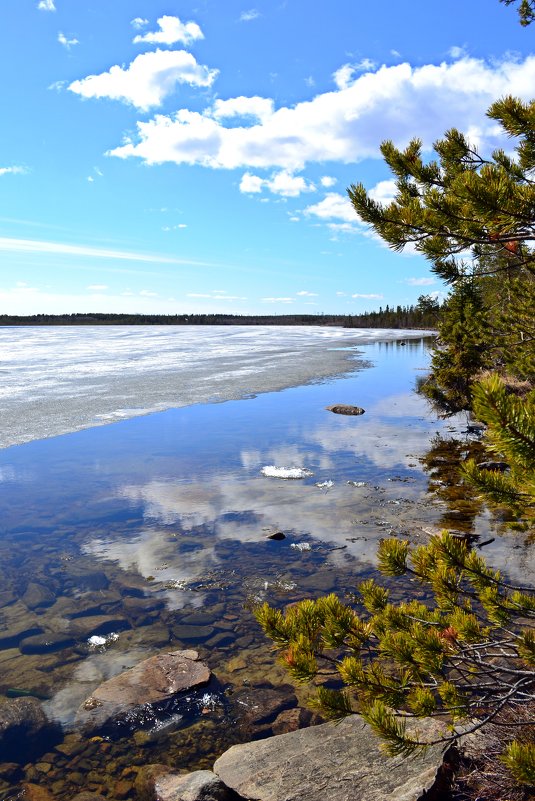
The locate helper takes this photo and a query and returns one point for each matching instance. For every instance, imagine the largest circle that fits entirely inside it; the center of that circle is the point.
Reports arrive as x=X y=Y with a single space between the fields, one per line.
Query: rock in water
x=25 y=730
x=152 y=682
x=342 y=408
x=337 y=762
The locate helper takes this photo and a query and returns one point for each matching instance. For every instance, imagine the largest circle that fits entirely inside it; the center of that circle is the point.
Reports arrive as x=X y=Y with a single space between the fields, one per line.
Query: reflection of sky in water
x=179 y=496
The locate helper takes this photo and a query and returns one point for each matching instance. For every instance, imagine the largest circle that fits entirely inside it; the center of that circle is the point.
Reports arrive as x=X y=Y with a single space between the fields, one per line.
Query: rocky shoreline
x=313 y=762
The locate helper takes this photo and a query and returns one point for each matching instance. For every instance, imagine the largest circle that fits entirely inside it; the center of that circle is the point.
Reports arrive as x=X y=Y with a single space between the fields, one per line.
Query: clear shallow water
x=155 y=528
x=60 y=379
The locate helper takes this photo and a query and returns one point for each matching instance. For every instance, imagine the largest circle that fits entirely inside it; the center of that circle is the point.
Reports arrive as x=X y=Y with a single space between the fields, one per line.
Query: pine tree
x=470 y=653
x=526 y=10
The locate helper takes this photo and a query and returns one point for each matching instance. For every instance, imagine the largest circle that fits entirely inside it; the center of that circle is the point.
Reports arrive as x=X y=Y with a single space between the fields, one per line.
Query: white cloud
x=215 y=295
x=10 y=245
x=343 y=77
x=327 y=181
x=67 y=43
x=260 y=108
x=345 y=125
x=281 y=183
x=13 y=170
x=367 y=297
x=148 y=80
x=383 y=192
x=248 y=16
x=306 y=294
x=46 y=5
x=172 y=30
x=146 y=293
x=97 y=287
x=90 y=179
x=419 y=281
x=457 y=52
x=174 y=227
x=277 y=300
x=138 y=23
x=333 y=206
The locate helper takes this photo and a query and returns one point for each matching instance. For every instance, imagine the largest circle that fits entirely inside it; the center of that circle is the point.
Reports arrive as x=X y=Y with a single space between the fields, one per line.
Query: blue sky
x=175 y=157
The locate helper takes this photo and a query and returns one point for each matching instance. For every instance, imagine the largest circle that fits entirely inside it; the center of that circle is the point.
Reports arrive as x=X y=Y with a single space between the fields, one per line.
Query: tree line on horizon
x=424 y=314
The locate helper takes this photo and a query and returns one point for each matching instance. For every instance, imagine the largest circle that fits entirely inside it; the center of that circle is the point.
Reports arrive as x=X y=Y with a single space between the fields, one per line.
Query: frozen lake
x=55 y=380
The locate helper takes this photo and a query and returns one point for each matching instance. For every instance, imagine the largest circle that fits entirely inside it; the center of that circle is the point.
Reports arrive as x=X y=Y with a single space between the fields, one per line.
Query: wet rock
x=198 y=619
x=37 y=596
x=25 y=731
x=277 y=535
x=99 y=625
x=202 y=785
x=342 y=408
x=142 y=611
x=46 y=643
x=88 y=796
x=490 y=465
x=256 y=708
x=16 y=623
x=194 y=633
x=34 y=792
x=146 y=779
x=10 y=771
x=292 y=720
x=149 y=683
x=340 y=762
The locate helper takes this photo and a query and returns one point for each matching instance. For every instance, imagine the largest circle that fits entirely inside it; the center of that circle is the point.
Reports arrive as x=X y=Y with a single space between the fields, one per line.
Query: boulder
x=25 y=731
x=341 y=762
x=202 y=785
x=148 y=684
x=342 y=408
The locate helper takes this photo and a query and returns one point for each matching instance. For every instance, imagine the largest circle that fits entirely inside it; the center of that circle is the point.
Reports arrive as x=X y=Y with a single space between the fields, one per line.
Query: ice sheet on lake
x=55 y=380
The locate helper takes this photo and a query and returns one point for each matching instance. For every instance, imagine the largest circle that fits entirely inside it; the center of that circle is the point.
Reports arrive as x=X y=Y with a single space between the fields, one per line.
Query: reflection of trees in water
x=442 y=463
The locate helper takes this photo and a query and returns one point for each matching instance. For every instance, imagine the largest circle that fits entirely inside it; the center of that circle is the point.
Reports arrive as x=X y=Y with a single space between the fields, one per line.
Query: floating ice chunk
x=301 y=546
x=97 y=642
x=285 y=472
x=325 y=484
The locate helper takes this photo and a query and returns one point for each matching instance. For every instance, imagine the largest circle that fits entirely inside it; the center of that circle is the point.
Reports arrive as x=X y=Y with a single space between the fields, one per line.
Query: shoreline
x=95 y=377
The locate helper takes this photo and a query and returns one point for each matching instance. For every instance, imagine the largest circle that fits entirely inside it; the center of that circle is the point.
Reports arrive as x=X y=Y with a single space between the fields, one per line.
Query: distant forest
x=423 y=315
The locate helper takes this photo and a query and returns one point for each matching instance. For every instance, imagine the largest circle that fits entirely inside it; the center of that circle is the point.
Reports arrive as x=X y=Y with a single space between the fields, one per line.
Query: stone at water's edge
x=338 y=762
x=153 y=681
x=25 y=730
x=343 y=408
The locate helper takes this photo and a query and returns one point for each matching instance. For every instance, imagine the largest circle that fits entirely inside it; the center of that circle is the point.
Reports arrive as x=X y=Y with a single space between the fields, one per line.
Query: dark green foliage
x=526 y=10
x=469 y=653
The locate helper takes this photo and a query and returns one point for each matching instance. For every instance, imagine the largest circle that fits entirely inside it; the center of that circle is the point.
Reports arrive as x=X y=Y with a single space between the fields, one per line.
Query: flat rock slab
x=202 y=785
x=153 y=681
x=338 y=762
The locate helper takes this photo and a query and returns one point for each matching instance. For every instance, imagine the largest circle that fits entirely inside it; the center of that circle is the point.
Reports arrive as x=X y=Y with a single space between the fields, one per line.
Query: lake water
x=152 y=533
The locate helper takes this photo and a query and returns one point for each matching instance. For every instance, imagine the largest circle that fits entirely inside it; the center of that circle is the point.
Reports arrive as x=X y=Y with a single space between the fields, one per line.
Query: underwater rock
x=25 y=731
x=277 y=535
x=257 y=707
x=343 y=408
x=151 y=682
x=37 y=596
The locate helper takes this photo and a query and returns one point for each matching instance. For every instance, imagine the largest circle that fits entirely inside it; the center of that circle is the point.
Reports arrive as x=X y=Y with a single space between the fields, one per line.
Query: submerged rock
x=343 y=408
x=341 y=762
x=149 y=683
x=25 y=731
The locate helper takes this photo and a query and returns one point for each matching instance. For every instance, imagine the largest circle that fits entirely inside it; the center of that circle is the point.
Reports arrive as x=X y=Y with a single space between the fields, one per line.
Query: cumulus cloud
x=281 y=183
x=259 y=108
x=67 y=43
x=383 y=192
x=345 y=75
x=138 y=23
x=46 y=5
x=172 y=30
x=148 y=80
x=248 y=16
x=327 y=181
x=345 y=125
x=333 y=207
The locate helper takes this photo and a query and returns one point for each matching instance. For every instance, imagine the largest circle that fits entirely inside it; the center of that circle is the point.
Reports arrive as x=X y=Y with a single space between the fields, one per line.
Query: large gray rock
x=25 y=730
x=150 y=683
x=339 y=762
